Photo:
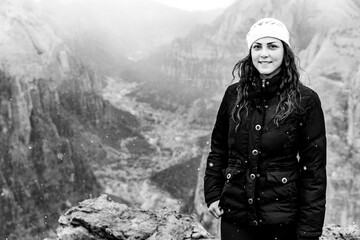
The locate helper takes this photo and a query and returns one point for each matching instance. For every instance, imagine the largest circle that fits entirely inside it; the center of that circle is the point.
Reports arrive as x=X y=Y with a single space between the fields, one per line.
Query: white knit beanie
x=267 y=27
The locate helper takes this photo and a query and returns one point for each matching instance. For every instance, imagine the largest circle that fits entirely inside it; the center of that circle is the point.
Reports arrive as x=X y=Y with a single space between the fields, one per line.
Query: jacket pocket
x=281 y=186
x=233 y=196
x=235 y=180
x=281 y=178
x=234 y=173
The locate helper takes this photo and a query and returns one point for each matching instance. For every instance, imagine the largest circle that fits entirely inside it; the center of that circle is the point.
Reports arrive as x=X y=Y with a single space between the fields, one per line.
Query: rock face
x=53 y=124
x=332 y=63
x=101 y=219
x=39 y=161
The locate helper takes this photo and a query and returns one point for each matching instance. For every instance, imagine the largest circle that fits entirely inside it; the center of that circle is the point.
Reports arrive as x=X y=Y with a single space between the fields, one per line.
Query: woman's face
x=267 y=55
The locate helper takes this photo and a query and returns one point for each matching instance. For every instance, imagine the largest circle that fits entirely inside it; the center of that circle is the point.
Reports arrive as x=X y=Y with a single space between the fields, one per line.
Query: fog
x=135 y=28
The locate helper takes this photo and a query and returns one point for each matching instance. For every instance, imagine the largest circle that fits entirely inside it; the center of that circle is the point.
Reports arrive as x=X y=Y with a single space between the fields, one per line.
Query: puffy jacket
x=268 y=174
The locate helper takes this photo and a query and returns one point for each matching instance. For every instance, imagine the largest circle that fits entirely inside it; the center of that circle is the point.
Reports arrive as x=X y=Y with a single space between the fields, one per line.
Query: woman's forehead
x=267 y=40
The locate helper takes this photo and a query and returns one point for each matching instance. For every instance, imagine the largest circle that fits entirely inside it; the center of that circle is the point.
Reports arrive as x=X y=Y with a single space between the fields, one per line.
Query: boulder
x=101 y=218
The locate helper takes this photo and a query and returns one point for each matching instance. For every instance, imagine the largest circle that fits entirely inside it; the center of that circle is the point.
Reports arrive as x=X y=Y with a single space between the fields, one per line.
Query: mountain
x=205 y=58
x=54 y=126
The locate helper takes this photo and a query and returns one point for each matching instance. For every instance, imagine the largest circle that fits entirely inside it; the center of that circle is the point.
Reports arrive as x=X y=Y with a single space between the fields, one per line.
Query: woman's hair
x=289 y=87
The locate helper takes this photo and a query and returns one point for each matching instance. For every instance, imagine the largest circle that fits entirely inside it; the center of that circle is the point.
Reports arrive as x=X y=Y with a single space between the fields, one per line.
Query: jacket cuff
x=210 y=201
x=308 y=238
x=303 y=235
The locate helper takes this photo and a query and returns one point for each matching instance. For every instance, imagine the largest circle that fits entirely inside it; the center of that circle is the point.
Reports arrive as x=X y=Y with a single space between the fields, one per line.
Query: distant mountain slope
x=116 y=30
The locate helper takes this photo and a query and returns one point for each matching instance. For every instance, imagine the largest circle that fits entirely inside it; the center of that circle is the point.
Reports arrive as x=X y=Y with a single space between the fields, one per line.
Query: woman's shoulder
x=231 y=92
x=309 y=96
x=232 y=88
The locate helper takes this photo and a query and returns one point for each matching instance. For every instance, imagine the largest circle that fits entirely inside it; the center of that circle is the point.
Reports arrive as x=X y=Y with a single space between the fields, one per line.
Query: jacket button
x=255 y=152
x=252 y=176
x=250 y=201
x=257 y=127
x=255 y=223
x=257 y=175
x=284 y=180
x=228 y=176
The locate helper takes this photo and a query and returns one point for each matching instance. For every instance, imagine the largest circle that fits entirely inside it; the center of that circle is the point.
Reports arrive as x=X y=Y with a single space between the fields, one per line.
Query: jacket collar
x=268 y=88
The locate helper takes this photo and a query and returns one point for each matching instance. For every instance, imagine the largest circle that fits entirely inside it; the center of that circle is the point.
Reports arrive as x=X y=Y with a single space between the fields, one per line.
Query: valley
x=126 y=174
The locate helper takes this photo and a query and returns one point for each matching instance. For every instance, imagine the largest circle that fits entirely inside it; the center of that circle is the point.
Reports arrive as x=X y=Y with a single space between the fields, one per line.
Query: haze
x=193 y=5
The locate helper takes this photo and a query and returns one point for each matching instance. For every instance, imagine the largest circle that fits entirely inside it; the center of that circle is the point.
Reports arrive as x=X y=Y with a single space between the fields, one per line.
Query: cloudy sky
x=192 y=5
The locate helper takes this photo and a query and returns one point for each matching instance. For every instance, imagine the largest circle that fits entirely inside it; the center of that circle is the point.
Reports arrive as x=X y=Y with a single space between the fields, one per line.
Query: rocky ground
x=101 y=218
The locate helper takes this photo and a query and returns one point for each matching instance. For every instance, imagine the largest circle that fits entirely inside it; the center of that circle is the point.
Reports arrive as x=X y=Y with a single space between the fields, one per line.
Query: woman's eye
x=273 y=46
x=256 y=47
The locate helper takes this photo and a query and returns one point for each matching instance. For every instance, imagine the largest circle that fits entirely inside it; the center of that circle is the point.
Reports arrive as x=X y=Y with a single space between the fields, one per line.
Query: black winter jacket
x=264 y=174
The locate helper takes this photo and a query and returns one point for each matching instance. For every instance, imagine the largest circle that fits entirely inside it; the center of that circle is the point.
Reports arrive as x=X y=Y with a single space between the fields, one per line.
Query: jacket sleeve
x=312 y=183
x=217 y=158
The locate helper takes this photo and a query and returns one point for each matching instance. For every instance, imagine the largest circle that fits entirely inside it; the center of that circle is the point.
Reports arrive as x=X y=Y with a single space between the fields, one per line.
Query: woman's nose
x=264 y=53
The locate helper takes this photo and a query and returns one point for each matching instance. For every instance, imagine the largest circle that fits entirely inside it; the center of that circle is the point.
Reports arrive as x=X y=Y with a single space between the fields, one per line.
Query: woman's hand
x=215 y=210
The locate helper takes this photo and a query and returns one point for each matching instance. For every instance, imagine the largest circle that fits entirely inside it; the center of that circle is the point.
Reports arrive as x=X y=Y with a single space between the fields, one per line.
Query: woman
x=265 y=174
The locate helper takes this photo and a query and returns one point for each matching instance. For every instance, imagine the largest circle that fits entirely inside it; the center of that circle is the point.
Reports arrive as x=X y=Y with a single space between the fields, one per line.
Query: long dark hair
x=289 y=87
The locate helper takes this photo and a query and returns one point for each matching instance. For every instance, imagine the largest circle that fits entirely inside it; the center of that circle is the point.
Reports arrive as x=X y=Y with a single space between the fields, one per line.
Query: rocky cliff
x=53 y=122
x=333 y=67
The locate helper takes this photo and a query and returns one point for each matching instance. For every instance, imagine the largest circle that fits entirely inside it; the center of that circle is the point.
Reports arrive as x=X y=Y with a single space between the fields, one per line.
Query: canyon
x=80 y=118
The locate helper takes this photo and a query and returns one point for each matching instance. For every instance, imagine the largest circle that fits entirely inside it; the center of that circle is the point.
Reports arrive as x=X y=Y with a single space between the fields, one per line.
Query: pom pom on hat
x=267 y=27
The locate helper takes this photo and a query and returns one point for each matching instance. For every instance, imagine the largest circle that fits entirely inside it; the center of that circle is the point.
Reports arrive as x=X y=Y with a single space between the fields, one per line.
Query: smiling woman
x=197 y=5
x=265 y=176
